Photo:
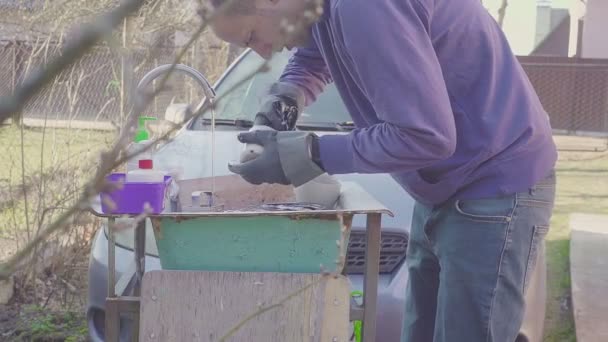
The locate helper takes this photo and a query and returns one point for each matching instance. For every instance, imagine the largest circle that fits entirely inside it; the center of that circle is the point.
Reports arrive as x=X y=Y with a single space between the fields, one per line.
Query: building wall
x=543 y=22
x=556 y=43
x=595 y=43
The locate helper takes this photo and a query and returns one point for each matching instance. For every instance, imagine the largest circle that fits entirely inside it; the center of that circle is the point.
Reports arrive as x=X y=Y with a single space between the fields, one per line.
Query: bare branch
x=76 y=48
x=25 y=201
x=111 y=159
x=502 y=12
x=97 y=185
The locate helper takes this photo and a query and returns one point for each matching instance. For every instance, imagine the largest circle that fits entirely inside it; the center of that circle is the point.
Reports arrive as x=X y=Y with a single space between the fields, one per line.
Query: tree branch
x=502 y=12
x=110 y=160
x=89 y=36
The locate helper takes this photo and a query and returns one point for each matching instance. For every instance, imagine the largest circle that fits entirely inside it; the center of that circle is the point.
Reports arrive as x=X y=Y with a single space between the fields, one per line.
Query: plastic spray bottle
x=141 y=141
x=140 y=169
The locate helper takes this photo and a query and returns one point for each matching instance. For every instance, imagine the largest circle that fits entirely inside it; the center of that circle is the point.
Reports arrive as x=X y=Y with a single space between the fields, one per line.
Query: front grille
x=392 y=252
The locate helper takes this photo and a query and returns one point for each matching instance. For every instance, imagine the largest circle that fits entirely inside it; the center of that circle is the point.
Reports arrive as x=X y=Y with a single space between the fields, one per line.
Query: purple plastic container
x=130 y=199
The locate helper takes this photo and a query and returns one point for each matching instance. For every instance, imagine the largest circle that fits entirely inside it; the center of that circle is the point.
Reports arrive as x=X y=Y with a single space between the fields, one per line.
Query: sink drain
x=291 y=207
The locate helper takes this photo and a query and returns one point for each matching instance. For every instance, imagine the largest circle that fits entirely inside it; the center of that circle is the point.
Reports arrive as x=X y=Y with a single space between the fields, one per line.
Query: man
x=441 y=103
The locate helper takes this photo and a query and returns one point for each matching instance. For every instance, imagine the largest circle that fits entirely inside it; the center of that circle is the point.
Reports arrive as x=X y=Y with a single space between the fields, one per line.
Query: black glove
x=281 y=107
x=287 y=158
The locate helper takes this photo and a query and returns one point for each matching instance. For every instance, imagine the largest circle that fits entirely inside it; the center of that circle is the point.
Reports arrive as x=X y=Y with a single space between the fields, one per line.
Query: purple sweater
x=438 y=98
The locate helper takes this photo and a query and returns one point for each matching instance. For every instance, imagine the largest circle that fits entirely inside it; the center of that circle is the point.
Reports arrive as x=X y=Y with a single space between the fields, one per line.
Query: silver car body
x=190 y=151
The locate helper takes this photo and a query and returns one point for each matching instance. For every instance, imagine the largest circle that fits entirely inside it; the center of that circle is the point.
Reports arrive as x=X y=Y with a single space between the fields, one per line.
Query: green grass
x=582 y=186
x=54 y=146
x=53 y=162
x=38 y=324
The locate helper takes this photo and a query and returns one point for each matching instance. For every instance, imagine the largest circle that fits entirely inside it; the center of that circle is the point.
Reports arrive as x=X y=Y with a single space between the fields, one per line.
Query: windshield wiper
x=327 y=126
x=240 y=123
x=345 y=126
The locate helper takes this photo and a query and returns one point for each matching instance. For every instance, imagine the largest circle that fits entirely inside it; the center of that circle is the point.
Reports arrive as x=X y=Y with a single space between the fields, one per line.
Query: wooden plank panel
x=205 y=306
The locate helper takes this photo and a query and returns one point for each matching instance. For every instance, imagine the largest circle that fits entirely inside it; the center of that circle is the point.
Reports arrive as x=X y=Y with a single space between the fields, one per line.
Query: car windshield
x=244 y=101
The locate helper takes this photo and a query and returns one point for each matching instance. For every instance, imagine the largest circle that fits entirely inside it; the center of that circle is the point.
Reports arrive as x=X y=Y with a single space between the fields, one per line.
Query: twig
x=109 y=159
x=48 y=298
x=25 y=202
x=142 y=99
x=13 y=207
x=263 y=310
x=93 y=187
x=68 y=285
x=98 y=183
x=8 y=268
x=100 y=113
x=502 y=12
x=41 y=186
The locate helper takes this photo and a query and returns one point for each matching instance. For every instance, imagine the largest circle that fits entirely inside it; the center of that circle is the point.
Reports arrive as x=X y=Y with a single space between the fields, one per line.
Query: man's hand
x=281 y=107
x=286 y=158
x=265 y=168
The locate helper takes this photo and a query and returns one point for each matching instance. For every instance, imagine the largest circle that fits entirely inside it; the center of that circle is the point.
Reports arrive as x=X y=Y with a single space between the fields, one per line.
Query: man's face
x=261 y=30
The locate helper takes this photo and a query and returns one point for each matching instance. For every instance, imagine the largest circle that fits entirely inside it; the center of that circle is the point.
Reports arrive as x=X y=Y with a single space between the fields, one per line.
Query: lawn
x=582 y=186
x=54 y=146
x=55 y=163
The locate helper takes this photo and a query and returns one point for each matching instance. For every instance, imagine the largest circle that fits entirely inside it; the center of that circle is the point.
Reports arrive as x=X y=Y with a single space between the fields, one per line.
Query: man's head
x=260 y=24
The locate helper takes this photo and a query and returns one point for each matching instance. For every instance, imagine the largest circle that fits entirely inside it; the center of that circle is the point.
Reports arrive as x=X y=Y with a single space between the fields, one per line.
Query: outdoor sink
x=259 y=229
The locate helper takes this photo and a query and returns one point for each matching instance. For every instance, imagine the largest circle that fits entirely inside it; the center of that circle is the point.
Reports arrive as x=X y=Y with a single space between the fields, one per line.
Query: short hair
x=242 y=7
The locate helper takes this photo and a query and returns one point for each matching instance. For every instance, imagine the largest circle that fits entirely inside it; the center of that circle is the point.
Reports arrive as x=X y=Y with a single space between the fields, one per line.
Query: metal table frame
x=117 y=305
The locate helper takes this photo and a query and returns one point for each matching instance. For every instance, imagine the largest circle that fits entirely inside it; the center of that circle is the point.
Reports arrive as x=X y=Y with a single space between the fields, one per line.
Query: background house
x=569 y=64
x=595 y=29
x=552 y=30
x=578 y=29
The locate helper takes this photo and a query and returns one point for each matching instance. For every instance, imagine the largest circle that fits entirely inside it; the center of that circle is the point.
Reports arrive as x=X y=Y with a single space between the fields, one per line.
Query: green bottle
x=142 y=133
x=140 y=141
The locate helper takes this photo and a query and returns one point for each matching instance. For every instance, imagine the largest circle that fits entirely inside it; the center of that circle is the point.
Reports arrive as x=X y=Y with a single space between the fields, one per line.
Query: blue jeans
x=469 y=265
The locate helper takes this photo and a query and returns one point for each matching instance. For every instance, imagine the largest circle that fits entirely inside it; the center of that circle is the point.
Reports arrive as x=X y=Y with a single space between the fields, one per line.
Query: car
x=234 y=112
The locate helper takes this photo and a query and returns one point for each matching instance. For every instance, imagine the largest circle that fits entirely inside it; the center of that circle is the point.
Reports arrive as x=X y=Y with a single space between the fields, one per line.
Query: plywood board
x=205 y=306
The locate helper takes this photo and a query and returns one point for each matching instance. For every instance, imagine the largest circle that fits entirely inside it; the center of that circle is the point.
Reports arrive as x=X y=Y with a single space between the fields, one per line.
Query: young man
x=441 y=103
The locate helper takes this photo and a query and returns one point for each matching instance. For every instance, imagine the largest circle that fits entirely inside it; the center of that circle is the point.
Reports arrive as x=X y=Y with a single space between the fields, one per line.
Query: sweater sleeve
x=394 y=59
x=308 y=71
